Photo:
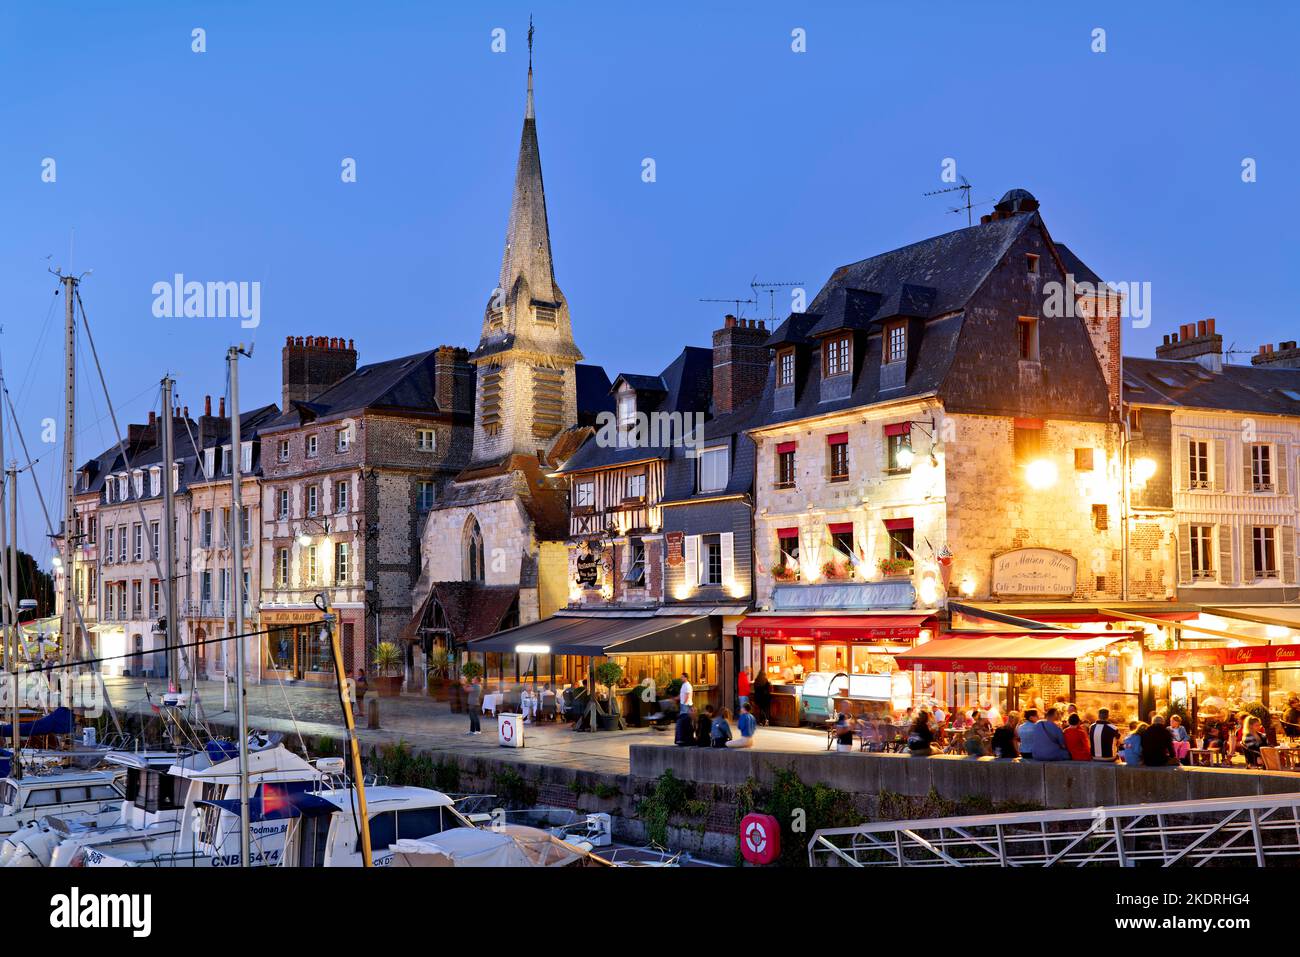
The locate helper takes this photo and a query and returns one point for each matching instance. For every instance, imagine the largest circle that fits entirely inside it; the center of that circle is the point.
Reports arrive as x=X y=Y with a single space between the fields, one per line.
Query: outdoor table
x=1290 y=758
x=490 y=703
x=1205 y=757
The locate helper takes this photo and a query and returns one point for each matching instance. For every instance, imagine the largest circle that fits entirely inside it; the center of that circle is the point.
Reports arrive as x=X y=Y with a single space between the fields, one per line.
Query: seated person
x=704 y=727
x=747 y=725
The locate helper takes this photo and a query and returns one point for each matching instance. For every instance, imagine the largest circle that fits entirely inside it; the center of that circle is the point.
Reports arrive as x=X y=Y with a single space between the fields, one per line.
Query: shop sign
x=1190 y=658
x=588 y=568
x=1015 y=666
x=304 y=617
x=1034 y=572
x=675 y=542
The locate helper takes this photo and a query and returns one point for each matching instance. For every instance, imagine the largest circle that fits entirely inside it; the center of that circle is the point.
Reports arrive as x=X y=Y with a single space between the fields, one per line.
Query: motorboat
x=513 y=845
x=184 y=817
x=58 y=790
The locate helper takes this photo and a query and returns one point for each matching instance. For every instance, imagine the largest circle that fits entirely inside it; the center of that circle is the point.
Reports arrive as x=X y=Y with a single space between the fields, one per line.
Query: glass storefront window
x=832 y=657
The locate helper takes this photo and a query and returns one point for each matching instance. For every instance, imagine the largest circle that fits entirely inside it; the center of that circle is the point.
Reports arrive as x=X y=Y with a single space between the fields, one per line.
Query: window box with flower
x=896 y=567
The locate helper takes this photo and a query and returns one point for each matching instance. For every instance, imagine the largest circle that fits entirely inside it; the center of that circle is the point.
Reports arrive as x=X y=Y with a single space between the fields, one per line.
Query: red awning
x=898 y=428
x=1191 y=658
x=840 y=528
x=838 y=438
x=787 y=533
x=783 y=447
x=897 y=524
x=839 y=627
x=1014 y=652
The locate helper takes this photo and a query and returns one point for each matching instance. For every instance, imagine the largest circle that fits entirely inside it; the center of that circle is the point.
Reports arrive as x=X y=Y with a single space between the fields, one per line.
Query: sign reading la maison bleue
x=1034 y=572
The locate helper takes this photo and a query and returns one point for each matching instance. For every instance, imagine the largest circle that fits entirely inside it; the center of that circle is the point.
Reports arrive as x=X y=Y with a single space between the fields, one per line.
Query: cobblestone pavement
x=427 y=725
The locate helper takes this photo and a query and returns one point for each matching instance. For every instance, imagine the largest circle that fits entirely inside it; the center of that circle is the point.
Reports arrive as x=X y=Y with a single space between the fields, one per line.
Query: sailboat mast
x=171 y=634
x=69 y=459
x=237 y=551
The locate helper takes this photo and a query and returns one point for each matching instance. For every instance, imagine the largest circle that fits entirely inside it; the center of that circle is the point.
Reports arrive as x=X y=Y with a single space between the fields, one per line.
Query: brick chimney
x=211 y=427
x=454 y=380
x=740 y=360
x=1197 y=341
x=1285 y=355
x=312 y=365
x=141 y=438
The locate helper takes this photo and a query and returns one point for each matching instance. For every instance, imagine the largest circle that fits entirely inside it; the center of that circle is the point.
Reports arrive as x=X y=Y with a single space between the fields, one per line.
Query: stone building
x=1223 y=441
x=350 y=467
x=492 y=552
x=207 y=589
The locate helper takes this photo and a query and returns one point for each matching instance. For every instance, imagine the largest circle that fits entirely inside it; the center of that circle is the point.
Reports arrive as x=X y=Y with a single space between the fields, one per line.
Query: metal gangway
x=1249 y=831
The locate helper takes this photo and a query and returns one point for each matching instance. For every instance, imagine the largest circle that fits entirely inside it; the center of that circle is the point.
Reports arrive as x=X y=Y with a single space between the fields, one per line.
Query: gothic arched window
x=473 y=551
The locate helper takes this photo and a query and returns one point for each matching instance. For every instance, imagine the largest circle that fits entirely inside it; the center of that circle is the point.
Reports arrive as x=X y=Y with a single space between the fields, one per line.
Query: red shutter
x=840 y=528
x=899 y=428
x=838 y=438
x=784 y=447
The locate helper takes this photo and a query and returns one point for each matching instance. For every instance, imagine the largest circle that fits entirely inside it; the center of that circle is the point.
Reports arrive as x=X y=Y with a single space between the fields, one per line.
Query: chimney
x=311 y=365
x=740 y=360
x=1285 y=355
x=207 y=405
x=454 y=380
x=221 y=407
x=1196 y=341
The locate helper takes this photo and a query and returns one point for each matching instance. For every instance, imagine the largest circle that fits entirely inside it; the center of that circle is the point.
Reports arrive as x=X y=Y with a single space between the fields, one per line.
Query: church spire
x=528 y=240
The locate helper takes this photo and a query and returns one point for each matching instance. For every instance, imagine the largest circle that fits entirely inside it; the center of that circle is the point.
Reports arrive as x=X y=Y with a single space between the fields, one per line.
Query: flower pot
x=437 y=688
x=388 y=686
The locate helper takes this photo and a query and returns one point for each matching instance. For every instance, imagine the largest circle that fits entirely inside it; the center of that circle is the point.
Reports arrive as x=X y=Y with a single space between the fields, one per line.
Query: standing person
x=1157 y=744
x=1076 y=740
x=746 y=723
x=474 y=702
x=763 y=697
x=1027 y=734
x=685 y=695
x=742 y=688
x=994 y=714
x=1103 y=737
x=361 y=687
x=720 y=731
x=1004 y=737
x=843 y=732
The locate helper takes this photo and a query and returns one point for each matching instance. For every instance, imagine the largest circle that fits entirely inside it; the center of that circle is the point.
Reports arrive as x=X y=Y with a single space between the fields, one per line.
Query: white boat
x=182 y=818
x=511 y=846
x=71 y=791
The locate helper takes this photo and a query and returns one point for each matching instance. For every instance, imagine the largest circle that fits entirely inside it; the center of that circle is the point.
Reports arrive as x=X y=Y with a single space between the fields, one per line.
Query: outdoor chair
x=1270 y=759
x=549 y=710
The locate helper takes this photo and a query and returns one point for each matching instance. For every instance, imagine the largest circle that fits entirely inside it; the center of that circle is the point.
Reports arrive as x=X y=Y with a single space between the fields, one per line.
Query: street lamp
x=322 y=525
x=1041 y=474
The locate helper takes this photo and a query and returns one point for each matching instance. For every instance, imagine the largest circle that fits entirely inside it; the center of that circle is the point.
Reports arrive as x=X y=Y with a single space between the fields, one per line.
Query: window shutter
x=1184 y=463
x=728 y=540
x=1286 y=537
x=1221 y=465
x=1184 y=554
x=692 y=560
x=1247 y=477
x=1247 y=554
x=1280 y=452
x=1224 y=533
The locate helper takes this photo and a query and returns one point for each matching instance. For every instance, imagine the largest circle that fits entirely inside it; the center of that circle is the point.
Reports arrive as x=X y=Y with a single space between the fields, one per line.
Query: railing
x=1256 y=830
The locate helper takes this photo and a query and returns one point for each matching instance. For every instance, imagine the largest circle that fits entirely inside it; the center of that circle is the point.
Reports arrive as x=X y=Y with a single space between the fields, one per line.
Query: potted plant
x=835 y=570
x=437 y=670
x=609 y=674
x=388 y=661
x=896 y=567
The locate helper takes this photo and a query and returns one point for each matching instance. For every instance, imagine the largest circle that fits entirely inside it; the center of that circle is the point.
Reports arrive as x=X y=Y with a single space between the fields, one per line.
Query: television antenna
x=771 y=288
x=964 y=187
x=737 y=302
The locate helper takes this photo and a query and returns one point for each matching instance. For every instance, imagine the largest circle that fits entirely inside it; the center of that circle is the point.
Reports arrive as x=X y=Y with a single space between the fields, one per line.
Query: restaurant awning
x=1011 y=652
x=597 y=635
x=894 y=627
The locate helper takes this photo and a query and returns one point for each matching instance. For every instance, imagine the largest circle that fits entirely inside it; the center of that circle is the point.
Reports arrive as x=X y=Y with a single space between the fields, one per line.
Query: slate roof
x=407 y=383
x=1075 y=266
x=685 y=386
x=593 y=389
x=729 y=430
x=472 y=609
x=1186 y=384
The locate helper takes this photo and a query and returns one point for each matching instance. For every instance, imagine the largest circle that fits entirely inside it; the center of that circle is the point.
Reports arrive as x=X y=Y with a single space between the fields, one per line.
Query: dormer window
x=1031 y=264
x=837 y=356
x=626 y=412
x=785 y=368
x=896 y=342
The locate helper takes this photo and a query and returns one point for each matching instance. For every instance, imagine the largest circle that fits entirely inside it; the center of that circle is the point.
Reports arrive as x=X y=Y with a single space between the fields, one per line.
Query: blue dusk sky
x=781 y=165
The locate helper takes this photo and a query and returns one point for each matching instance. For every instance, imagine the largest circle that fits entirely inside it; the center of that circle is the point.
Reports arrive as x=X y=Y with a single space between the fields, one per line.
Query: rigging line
x=45 y=329
x=60 y=666
x=157 y=564
x=70 y=593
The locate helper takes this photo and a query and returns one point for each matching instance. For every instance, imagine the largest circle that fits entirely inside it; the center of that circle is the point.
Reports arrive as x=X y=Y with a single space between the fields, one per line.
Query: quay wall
x=1048 y=784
